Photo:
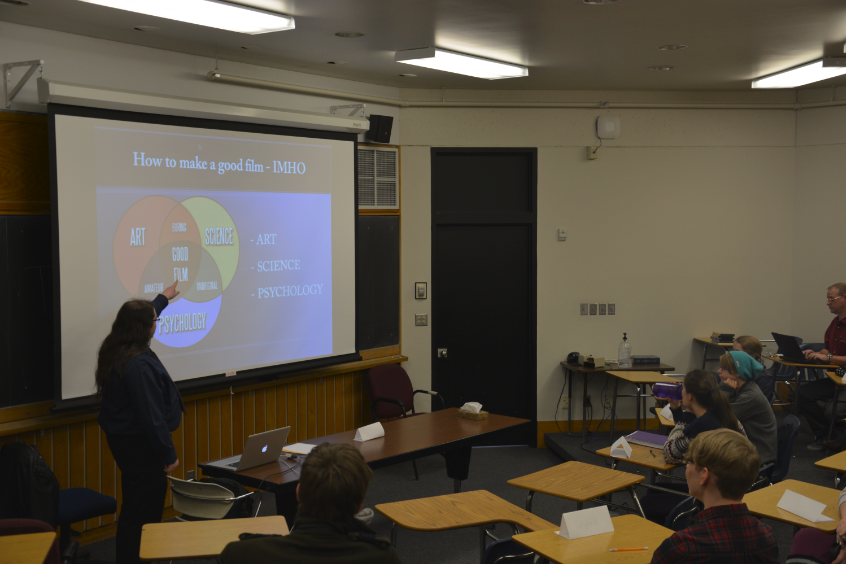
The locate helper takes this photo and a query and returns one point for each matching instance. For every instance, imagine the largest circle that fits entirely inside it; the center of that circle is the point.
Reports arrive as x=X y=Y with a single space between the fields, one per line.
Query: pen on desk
x=652 y=453
x=628 y=549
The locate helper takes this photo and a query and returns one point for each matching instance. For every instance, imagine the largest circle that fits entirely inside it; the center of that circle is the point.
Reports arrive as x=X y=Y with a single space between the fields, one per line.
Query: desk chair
x=393 y=395
x=9 y=527
x=79 y=504
x=682 y=515
x=507 y=551
x=199 y=501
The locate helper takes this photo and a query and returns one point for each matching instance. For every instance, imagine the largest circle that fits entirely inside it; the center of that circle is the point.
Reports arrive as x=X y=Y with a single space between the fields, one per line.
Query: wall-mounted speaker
x=380 y=128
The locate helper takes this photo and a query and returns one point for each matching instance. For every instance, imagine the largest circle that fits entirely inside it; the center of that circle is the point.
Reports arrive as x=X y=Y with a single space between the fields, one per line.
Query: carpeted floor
x=490 y=469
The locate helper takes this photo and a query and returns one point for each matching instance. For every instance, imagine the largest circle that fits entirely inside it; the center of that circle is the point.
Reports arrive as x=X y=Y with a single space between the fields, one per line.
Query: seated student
x=707 y=410
x=721 y=467
x=331 y=491
x=754 y=348
x=738 y=372
x=812 y=546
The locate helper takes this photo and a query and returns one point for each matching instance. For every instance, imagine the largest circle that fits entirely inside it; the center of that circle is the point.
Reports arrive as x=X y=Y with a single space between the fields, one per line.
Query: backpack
x=28 y=488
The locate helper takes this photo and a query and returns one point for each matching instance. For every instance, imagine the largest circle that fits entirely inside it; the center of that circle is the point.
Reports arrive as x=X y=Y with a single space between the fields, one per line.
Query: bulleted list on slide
x=243 y=227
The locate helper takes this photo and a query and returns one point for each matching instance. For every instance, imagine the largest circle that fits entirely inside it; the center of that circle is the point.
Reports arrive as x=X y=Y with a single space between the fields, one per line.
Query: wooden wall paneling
x=349 y=413
x=226 y=426
x=282 y=408
x=356 y=381
x=320 y=398
x=214 y=428
x=92 y=464
x=339 y=402
x=270 y=409
x=178 y=438
x=77 y=448
x=24 y=164
x=108 y=473
x=261 y=409
x=28 y=438
x=61 y=462
x=189 y=423
x=202 y=431
x=302 y=411
x=44 y=444
x=249 y=413
x=238 y=423
x=311 y=408
x=292 y=411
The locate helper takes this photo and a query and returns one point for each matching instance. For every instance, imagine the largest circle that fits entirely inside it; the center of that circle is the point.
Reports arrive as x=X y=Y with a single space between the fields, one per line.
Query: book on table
x=643 y=438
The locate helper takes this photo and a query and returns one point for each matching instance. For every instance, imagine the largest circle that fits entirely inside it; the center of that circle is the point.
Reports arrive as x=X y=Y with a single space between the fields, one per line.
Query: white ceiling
x=566 y=44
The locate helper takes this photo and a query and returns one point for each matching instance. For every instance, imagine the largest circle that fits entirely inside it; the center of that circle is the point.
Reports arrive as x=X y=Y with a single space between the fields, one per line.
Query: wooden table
x=578 y=482
x=763 y=503
x=837 y=463
x=30 y=548
x=570 y=371
x=178 y=540
x=629 y=531
x=639 y=379
x=405 y=439
x=457 y=511
x=709 y=343
x=641 y=457
x=798 y=365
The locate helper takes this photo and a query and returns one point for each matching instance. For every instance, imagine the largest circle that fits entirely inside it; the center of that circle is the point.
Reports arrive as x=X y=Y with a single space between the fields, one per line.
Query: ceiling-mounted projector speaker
x=608 y=127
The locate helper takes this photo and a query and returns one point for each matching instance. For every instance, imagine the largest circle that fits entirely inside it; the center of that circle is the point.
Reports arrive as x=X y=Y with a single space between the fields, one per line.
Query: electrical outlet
x=591 y=153
x=612 y=309
x=421 y=319
x=602 y=308
x=190 y=475
x=583 y=309
x=565 y=403
x=593 y=308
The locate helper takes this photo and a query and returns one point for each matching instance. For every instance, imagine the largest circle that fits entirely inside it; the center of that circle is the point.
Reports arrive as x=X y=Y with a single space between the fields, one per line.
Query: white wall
x=675 y=222
x=107 y=64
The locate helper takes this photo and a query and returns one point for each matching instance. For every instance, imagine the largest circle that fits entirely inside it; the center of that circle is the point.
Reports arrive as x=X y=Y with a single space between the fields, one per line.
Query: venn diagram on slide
x=160 y=240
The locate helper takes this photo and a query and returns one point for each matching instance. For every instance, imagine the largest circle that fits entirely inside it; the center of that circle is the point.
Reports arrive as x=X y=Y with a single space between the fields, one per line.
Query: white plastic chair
x=202 y=500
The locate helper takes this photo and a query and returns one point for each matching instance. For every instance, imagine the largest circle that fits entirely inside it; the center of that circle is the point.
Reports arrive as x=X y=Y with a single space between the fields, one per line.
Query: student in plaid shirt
x=721 y=466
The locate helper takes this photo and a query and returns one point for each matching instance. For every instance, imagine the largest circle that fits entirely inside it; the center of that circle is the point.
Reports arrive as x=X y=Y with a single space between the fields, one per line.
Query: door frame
x=529 y=219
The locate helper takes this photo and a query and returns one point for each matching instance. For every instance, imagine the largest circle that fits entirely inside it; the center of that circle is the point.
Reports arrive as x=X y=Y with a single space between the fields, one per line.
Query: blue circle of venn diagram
x=185 y=323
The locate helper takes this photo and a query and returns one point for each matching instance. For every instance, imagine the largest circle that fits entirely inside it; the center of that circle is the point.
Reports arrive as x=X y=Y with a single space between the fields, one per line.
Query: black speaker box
x=380 y=128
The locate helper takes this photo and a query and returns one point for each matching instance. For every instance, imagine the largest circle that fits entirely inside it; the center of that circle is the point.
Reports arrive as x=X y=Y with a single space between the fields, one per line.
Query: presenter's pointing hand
x=173 y=466
x=171 y=292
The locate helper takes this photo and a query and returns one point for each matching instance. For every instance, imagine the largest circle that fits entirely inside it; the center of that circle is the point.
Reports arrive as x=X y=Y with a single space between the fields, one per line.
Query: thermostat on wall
x=608 y=127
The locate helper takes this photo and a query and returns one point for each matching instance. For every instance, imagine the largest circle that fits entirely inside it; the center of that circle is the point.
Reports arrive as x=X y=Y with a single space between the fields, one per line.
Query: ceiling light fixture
x=671 y=47
x=349 y=34
x=210 y=13
x=661 y=68
x=450 y=61
x=798 y=76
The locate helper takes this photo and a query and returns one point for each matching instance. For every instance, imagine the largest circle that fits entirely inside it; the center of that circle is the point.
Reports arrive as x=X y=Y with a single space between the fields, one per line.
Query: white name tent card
x=298 y=448
x=369 y=432
x=621 y=448
x=667 y=413
x=804 y=507
x=586 y=523
x=473 y=406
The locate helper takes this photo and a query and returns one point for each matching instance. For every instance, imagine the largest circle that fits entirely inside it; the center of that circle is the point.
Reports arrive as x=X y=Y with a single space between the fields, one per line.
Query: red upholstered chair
x=393 y=395
x=9 y=527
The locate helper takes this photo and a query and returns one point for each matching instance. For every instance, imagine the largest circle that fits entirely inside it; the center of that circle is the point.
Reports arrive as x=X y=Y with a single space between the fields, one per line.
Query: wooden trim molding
x=561 y=427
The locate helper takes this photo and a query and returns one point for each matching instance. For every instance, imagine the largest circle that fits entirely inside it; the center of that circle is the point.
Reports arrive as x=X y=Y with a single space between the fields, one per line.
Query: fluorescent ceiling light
x=210 y=13
x=450 y=61
x=798 y=76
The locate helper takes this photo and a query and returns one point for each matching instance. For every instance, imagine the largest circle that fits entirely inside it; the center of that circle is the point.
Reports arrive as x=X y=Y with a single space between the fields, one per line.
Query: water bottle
x=667 y=390
x=624 y=353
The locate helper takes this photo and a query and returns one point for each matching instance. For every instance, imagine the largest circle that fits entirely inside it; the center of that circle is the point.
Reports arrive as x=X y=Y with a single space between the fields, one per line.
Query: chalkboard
x=377 y=281
x=26 y=309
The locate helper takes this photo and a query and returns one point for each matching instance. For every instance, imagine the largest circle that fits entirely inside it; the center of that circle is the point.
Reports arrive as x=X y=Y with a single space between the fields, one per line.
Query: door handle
x=442 y=353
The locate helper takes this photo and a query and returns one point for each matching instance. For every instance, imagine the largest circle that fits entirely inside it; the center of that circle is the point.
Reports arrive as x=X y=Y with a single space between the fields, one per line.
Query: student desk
x=30 y=548
x=641 y=457
x=763 y=503
x=798 y=365
x=404 y=440
x=838 y=383
x=179 y=540
x=639 y=379
x=578 y=482
x=570 y=371
x=457 y=511
x=724 y=347
x=836 y=462
x=629 y=531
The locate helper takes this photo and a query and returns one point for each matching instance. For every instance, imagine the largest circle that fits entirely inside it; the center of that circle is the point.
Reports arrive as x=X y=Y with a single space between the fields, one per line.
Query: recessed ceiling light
x=599 y=1
x=14 y=2
x=145 y=28
x=798 y=76
x=662 y=68
x=209 y=13
x=408 y=75
x=450 y=61
x=671 y=47
x=349 y=34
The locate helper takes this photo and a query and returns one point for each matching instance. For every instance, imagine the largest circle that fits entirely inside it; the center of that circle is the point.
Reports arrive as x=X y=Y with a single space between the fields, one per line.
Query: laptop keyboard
x=231 y=465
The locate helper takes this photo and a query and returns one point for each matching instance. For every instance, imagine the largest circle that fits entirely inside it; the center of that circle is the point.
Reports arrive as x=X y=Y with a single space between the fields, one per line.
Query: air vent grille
x=378 y=178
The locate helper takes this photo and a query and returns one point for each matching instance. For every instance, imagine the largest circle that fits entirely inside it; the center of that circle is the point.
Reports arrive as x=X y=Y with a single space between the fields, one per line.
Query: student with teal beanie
x=738 y=372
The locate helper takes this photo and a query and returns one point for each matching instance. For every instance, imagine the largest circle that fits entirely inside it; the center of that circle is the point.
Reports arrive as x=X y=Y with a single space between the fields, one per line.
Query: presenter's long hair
x=703 y=386
x=130 y=337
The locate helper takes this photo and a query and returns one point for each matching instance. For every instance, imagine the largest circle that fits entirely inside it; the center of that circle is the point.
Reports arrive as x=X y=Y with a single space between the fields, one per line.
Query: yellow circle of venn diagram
x=214 y=224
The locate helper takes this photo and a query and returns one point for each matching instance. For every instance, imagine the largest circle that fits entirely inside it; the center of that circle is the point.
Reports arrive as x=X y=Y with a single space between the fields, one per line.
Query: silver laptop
x=261 y=448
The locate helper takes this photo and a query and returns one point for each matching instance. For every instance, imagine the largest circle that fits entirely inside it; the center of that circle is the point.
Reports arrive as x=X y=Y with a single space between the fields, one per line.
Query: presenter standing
x=140 y=407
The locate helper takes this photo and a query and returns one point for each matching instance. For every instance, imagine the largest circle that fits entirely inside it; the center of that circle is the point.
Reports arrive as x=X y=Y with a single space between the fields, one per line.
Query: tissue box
x=472 y=415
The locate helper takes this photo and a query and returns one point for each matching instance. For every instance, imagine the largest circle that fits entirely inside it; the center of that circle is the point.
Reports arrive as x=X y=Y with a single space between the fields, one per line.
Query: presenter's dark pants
x=143 y=485
x=809 y=395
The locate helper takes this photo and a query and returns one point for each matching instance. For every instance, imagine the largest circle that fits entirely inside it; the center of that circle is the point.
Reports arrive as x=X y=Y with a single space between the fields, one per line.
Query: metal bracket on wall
x=356 y=110
x=7 y=78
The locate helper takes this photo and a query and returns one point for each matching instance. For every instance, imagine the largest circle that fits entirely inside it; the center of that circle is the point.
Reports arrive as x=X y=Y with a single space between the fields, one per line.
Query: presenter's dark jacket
x=314 y=541
x=143 y=401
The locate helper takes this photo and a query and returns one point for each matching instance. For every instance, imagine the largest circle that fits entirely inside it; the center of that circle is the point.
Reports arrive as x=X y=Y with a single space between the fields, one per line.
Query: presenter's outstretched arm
x=171 y=292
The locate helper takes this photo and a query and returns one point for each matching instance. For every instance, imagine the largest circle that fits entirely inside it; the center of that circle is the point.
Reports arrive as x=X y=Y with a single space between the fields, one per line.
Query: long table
x=405 y=440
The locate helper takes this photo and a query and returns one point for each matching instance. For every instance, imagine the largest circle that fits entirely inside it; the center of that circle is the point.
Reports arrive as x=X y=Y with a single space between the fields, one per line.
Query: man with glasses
x=833 y=352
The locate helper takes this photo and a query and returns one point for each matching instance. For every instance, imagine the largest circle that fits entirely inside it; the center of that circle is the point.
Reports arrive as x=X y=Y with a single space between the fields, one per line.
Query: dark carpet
x=490 y=469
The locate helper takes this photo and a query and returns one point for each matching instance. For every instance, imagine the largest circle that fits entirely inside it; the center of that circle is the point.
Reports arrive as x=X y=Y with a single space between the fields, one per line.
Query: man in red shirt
x=834 y=352
x=721 y=467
